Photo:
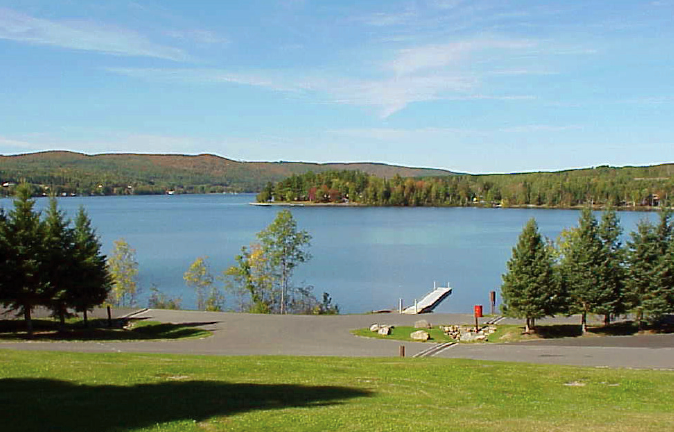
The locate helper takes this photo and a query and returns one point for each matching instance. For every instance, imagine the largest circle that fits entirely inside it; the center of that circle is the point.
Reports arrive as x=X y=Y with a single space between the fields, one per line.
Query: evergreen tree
x=529 y=287
x=4 y=257
x=649 y=282
x=92 y=283
x=611 y=273
x=581 y=267
x=24 y=233
x=58 y=261
x=664 y=273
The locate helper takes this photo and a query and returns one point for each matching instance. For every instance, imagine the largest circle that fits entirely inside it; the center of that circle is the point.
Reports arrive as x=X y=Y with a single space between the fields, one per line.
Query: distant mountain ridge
x=156 y=173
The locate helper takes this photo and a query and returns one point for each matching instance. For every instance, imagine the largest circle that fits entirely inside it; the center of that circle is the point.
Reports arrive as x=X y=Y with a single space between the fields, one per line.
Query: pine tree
x=24 y=282
x=650 y=259
x=4 y=256
x=665 y=274
x=529 y=287
x=58 y=261
x=582 y=267
x=612 y=273
x=92 y=282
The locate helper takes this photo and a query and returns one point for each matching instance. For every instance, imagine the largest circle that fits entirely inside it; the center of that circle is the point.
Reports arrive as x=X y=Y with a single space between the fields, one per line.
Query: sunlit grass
x=150 y=392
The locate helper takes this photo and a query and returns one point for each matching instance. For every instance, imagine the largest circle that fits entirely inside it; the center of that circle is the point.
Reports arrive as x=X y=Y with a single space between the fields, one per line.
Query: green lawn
x=515 y=333
x=48 y=330
x=403 y=333
x=77 y=392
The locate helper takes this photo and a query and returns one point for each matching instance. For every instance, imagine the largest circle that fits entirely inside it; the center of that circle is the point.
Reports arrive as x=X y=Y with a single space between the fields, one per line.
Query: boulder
x=468 y=337
x=422 y=324
x=420 y=335
x=384 y=330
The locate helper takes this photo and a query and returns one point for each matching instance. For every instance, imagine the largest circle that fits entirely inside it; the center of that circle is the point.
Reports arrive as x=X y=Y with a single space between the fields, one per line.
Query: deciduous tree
x=198 y=277
x=123 y=269
x=264 y=270
x=285 y=248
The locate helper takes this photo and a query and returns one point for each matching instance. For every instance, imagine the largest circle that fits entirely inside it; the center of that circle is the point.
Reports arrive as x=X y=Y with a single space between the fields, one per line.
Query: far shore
x=476 y=205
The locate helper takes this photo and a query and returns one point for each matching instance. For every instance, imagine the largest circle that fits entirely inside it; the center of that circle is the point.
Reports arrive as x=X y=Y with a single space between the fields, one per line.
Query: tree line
x=49 y=261
x=631 y=187
x=589 y=271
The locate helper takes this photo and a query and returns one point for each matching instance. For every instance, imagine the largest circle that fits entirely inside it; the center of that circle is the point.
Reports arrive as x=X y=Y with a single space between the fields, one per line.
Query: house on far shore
x=652 y=200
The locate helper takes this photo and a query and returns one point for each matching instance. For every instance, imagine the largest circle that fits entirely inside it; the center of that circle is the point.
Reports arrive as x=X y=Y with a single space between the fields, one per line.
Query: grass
x=152 y=392
x=403 y=333
x=131 y=329
x=515 y=333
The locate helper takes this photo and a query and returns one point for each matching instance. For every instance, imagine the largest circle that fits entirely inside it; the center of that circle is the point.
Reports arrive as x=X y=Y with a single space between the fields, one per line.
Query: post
x=416 y=311
x=492 y=300
x=400 y=305
x=109 y=317
x=401 y=351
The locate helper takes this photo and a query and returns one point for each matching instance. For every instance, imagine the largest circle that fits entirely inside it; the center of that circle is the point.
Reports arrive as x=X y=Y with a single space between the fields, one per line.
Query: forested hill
x=633 y=187
x=108 y=174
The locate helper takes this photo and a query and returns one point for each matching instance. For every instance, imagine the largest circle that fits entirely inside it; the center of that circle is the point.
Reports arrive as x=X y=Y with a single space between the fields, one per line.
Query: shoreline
x=523 y=206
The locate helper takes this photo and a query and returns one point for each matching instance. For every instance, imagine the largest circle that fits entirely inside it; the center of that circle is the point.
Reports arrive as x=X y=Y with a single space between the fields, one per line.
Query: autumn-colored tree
x=123 y=269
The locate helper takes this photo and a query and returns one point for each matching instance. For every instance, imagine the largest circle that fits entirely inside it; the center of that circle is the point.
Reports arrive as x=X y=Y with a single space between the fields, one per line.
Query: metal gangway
x=429 y=302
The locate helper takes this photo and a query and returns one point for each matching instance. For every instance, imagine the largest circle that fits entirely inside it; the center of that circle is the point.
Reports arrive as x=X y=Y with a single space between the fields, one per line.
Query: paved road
x=251 y=334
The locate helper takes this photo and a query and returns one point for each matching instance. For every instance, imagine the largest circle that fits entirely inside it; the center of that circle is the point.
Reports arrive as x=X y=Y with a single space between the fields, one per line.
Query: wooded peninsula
x=67 y=173
x=628 y=187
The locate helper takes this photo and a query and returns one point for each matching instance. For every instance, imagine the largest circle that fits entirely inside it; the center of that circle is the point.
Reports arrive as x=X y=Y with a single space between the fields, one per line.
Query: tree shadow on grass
x=33 y=404
x=555 y=331
x=49 y=330
x=622 y=328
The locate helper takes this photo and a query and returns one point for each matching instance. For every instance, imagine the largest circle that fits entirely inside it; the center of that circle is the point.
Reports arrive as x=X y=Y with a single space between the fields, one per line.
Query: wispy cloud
x=114 y=142
x=395 y=134
x=649 y=100
x=383 y=19
x=392 y=95
x=539 y=128
x=198 y=36
x=387 y=96
x=518 y=72
x=82 y=35
x=207 y=76
x=6 y=143
x=432 y=134
x=411 y=60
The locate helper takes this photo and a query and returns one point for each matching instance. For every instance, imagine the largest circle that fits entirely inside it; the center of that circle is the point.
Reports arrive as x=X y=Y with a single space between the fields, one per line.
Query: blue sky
x=473 y=86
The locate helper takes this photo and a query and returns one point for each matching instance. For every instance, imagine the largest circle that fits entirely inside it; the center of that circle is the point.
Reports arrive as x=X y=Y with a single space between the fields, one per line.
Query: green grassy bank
x=121 y=392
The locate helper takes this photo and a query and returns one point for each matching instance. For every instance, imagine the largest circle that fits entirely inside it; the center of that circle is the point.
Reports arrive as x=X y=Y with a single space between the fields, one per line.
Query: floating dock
x=430 y=301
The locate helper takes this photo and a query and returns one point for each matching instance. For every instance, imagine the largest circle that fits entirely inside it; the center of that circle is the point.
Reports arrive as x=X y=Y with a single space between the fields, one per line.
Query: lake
x=365 y=257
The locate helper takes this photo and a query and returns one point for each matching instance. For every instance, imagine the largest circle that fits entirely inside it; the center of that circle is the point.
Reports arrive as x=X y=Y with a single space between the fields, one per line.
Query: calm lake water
x=366 y=258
